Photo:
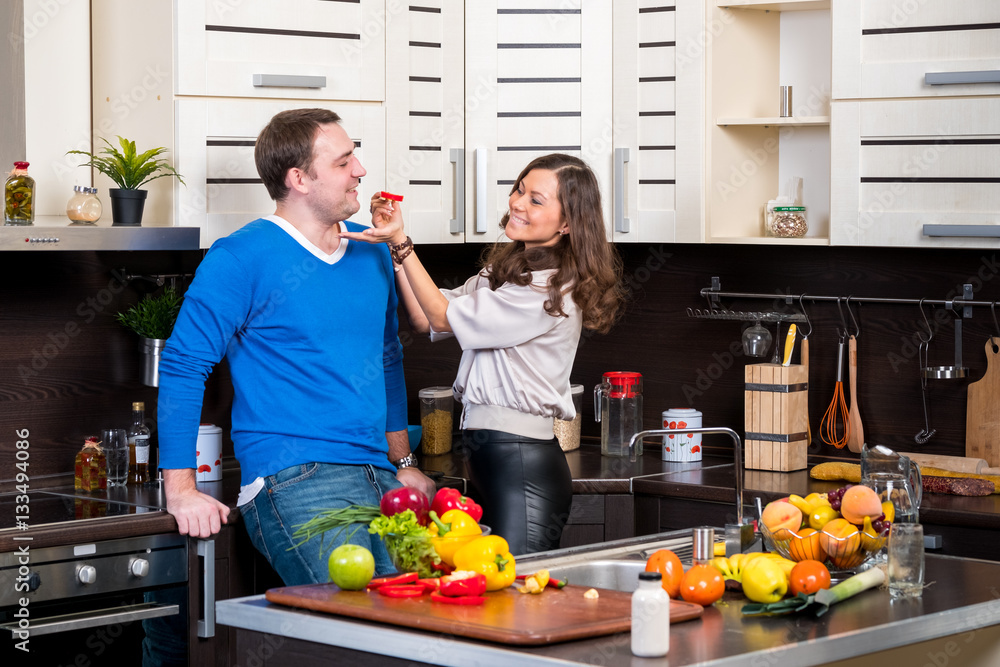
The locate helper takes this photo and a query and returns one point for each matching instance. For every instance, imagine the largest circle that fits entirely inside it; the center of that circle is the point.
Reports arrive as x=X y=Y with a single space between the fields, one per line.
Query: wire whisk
x=837 y=414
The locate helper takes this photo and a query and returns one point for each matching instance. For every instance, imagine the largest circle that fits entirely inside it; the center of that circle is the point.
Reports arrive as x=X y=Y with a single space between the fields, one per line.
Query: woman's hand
x=387 y=223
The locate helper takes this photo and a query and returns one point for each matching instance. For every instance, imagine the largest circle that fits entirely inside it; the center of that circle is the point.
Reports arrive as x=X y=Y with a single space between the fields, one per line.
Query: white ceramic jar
x=684 y=446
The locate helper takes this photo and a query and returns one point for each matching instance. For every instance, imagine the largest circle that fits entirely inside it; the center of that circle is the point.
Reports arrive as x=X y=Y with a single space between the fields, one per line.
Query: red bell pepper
x=431 y=583
x=463 y=582
x=393 y=580
x=402 y=590
x=391 y=197
x=462 y=599
x=448 y=499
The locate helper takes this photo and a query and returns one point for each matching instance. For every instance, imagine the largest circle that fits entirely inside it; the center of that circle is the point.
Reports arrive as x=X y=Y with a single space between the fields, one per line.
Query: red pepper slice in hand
x=391 y=197
x=462 y=599
x=393 y=579
x=402 y=590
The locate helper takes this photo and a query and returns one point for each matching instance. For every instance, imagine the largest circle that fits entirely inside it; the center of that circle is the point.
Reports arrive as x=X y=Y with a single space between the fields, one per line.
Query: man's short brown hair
x=287 y=142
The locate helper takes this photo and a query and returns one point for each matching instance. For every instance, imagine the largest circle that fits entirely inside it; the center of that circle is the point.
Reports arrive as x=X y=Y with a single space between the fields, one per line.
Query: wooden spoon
x=856 y=436
x=804 y=360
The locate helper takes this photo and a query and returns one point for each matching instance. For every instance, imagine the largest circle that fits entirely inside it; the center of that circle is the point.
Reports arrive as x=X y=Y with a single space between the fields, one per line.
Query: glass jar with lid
x=568 y=430
x=84 y=207
x=19 y=197
x=437 y=405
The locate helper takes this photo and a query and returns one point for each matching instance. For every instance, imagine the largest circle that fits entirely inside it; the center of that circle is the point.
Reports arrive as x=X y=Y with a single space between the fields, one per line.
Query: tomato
x=669 y=566
x=808 y=576
x=351 y=567
x=702 y=584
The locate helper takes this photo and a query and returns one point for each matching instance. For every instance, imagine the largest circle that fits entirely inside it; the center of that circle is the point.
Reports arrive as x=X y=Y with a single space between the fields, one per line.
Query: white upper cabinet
x=305 y=49
x=943 y=48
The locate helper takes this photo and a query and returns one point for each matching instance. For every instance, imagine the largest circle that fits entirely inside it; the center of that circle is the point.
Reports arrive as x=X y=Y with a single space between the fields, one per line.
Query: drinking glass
x=906 y=560
x=114 y=441
x=756 y=340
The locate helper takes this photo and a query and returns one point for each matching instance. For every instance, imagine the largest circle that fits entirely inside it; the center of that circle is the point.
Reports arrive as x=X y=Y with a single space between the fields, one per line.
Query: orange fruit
x=805 y=545
x=702 y=584
x=670 y=568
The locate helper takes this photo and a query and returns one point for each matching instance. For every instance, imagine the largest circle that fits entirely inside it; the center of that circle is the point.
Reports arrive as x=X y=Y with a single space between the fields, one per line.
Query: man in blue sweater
x=307 y=321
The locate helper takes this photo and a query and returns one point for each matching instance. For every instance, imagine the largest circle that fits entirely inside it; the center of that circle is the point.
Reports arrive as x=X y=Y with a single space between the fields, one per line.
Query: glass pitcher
x=895 y=478
x=618 y=406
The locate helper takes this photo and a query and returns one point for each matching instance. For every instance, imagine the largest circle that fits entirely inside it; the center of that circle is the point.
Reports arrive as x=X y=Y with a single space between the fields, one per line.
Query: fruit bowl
x=841 y=546
x=416 y=553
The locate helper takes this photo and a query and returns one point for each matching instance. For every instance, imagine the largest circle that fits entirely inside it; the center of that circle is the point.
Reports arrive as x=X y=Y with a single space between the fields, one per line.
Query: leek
x=850 y=587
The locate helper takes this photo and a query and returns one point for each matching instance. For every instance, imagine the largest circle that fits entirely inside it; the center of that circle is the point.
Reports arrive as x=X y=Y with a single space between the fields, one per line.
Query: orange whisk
x=837 y=414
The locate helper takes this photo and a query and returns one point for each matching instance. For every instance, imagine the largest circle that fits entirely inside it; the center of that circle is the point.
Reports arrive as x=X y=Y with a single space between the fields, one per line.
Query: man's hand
x=415 y=479
x=197 y=514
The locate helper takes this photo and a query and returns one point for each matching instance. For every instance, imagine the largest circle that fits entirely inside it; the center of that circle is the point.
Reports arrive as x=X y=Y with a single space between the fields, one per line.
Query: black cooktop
x=50 y=507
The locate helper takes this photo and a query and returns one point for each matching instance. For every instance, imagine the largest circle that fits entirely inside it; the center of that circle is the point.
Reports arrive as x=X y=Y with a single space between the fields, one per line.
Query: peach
x=859 y=502
x=780 y=515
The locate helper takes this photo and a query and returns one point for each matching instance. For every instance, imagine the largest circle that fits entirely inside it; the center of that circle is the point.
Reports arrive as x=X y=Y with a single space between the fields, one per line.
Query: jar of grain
x=437 y=405
x=568 y=430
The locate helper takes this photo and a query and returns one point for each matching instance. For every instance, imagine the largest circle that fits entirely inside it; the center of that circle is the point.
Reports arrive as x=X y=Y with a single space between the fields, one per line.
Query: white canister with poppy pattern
x=682 y=446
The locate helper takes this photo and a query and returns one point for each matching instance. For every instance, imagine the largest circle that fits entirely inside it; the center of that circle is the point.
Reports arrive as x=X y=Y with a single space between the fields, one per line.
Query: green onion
x=334 y=519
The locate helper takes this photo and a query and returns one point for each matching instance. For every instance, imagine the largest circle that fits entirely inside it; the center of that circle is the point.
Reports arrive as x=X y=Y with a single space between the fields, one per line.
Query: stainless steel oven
x=87 y=603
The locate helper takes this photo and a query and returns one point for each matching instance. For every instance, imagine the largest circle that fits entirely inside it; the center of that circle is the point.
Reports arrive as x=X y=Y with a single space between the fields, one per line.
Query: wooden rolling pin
x=952 y=463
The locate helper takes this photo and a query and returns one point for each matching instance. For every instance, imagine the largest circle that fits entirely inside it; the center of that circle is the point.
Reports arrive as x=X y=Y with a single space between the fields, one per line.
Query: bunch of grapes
x=835 y=496
x=881 y=526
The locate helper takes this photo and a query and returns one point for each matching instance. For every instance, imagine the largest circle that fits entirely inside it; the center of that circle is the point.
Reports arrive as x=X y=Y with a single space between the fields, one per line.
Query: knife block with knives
x=776 y=417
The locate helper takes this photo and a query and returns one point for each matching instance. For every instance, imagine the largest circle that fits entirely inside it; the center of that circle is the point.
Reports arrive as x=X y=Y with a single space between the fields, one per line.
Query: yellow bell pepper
x=450 y=531
x=489 y=555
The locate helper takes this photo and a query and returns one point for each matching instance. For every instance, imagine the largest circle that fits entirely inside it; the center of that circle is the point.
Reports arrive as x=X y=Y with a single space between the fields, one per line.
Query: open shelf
x=790 y=121
x=771 y=240
x=767 y=6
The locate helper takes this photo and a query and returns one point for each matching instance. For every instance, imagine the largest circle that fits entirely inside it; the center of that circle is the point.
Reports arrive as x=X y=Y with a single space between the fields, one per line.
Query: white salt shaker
x=650 y=617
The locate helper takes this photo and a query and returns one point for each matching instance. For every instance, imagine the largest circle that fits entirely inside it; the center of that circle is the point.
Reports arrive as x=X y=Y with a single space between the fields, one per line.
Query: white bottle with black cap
x=650 y=617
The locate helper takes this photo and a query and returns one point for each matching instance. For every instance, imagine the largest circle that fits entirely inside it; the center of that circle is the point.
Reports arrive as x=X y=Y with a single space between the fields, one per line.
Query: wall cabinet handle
x=288 y=81
x=952 y=78
x=206 y=624
x=990 y=231
x=621 y=222
x=480 y=190
x=457 y=158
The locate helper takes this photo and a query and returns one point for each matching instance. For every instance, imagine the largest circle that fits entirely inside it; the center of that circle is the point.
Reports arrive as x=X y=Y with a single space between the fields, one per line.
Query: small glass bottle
x=90 y=470
x=138 y=446
x=650 y=617
x=19 y=197
x=84 y=208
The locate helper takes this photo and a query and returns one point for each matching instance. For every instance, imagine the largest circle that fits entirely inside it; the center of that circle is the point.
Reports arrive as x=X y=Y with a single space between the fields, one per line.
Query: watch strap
x=408 y=461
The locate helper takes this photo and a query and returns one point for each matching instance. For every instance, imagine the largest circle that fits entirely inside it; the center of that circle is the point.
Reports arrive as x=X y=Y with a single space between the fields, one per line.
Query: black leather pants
x=525 y=487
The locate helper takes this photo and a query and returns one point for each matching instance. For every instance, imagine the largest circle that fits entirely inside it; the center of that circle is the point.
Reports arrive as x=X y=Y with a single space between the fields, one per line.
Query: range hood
x=58 y=233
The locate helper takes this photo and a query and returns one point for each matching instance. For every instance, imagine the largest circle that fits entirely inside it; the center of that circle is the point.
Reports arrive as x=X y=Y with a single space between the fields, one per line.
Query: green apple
x=351 y=567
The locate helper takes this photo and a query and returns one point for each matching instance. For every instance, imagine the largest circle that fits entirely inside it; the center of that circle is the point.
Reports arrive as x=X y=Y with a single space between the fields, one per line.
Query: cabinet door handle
x=621 y=222
x=206 y=624
x=457 y=158
x=288 y=81
x=990 y=231
x=480 y=190
x=952 y=78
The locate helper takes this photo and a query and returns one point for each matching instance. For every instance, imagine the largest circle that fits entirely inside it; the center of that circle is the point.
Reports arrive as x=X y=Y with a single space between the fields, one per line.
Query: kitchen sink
x=617 y=575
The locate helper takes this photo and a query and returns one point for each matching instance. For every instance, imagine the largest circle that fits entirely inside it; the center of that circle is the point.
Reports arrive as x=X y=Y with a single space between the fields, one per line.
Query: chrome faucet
x=739 y=536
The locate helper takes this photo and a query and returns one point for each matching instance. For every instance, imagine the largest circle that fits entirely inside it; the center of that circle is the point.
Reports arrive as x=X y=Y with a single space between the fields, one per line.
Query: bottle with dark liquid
x=138 y=446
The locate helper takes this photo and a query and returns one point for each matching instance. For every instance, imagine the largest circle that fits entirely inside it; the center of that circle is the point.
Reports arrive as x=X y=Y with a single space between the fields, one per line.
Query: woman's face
x=535 y=213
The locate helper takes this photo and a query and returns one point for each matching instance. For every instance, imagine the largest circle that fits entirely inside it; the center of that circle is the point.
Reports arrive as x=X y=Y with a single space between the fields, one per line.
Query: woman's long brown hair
x=587 y=264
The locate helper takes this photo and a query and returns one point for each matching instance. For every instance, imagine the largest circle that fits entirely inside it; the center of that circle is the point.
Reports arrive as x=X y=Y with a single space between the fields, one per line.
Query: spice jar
x=90 y=471
x=787 y=222
x=568 y=430
x=84 y=207
x=437 y=405
x=19 y=197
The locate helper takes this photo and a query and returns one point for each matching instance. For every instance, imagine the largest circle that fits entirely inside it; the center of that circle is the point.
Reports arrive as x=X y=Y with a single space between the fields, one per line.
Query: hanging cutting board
x=982 y=422
x=508 y=617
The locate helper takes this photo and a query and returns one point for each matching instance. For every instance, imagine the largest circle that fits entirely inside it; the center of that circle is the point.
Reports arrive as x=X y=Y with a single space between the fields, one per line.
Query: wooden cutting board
x=982 y=422
x=507 y=616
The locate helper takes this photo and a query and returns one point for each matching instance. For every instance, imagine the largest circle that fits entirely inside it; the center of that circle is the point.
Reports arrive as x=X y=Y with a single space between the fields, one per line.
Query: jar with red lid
x=618 y=406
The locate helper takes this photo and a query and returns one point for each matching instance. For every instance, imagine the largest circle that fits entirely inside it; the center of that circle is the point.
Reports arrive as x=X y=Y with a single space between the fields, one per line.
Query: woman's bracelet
x=401 y=251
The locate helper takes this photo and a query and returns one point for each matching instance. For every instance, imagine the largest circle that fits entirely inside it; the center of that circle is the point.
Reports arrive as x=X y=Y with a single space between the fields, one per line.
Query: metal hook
x=993 y=309
x=842 y=330
x=809 y=322
x=927 y=323
x=857 y=327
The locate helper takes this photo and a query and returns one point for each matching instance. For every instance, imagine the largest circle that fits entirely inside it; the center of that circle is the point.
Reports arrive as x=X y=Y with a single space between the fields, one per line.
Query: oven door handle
x=206 y=624
x=51 y=625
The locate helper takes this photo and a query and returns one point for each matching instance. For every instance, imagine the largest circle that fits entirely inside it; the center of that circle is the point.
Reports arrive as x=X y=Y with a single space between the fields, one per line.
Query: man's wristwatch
x=408 y=461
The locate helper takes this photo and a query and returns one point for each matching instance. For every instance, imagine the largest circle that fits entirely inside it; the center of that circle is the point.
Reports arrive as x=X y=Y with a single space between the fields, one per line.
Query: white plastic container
x=650 y=617
x=209 y=453
x=686 y=446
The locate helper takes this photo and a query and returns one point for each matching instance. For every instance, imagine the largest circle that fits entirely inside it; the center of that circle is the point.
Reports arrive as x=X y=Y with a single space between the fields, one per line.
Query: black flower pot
x=126 y=207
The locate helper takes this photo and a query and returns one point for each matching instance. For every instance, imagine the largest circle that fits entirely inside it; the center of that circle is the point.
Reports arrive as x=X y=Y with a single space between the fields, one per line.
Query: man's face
x=334 y=175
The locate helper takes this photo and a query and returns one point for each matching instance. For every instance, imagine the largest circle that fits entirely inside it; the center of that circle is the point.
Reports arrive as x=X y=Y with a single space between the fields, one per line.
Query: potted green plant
x=130 y=170
x=152 y=319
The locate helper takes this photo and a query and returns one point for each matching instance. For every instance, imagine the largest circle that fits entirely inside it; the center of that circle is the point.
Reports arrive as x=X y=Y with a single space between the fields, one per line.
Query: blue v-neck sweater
x=312 y=348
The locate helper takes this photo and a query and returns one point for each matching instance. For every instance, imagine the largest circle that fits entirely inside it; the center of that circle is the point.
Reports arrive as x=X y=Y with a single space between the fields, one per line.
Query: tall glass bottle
x=19 y=197
x=138 y=446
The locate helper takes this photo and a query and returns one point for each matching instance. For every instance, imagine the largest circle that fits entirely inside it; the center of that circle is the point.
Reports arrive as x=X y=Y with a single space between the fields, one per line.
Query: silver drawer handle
x=288 y=81
x=990 y=231
x=51 y=625
x=621 y=222
x=952 y=78
x=206 y=624
x=481 y=190
x=457 y=157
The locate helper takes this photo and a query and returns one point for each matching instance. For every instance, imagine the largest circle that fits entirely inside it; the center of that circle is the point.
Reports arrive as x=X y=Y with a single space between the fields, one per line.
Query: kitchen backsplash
x=69 y=369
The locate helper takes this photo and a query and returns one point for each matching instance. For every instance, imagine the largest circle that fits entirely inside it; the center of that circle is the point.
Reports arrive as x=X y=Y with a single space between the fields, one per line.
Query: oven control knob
x=139 y=567
x=34 y=581
x=87 y=574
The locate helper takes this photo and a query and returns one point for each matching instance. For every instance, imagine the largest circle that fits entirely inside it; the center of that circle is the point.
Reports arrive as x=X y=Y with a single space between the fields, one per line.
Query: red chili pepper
x=402 y=590
x=431 y=583
x=452 y=586
x=393 y=579
x=463 y=599
x=552 y=583
x=390 y=196
x=451 y=499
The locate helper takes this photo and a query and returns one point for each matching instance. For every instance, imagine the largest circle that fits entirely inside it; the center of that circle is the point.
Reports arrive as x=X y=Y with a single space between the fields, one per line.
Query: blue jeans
x=296 y=494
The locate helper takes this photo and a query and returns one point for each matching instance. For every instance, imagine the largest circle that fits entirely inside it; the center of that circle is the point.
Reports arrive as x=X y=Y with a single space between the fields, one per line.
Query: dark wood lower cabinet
x=597 y=518
x=258 y=649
